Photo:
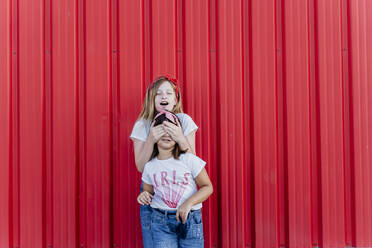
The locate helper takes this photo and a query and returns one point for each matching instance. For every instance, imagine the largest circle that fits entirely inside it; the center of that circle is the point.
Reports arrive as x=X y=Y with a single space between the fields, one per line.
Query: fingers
x=144 y=198
x=157 y=132
x=178 y=122
x=178 y=215
x=182 y=215
x=169 y=124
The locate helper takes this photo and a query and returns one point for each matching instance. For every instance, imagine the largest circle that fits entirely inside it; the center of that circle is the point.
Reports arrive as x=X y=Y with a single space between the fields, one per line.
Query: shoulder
x=141 y=123
x=184 y=117
x=188 y=124
x=149 y=165
x=189 y=158
x=140 y=130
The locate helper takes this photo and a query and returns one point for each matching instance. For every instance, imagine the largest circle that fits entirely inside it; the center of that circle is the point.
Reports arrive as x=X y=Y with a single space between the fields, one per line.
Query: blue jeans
x=168 y=233
x=145 y=213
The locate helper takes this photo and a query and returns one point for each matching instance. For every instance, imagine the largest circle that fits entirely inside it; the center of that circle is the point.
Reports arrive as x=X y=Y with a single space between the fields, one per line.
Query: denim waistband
x=171 y=212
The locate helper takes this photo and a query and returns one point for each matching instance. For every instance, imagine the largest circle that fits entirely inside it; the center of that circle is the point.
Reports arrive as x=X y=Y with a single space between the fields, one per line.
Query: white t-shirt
x=173 y=180
x=141 y=128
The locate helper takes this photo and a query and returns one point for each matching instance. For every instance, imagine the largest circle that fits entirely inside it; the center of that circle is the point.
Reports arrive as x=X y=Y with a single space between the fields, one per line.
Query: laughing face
x=165 y=98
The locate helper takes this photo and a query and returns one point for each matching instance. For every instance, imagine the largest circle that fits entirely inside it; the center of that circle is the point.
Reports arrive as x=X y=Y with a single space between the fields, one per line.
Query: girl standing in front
x=162 y=94
x=170 y=180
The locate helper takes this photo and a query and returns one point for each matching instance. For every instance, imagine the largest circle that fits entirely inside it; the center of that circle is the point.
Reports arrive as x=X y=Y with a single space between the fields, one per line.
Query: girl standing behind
x=162 y=94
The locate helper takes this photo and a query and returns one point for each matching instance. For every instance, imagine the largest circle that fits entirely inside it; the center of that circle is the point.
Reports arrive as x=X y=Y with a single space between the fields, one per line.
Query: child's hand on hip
x=145 y=198
x=183 y=212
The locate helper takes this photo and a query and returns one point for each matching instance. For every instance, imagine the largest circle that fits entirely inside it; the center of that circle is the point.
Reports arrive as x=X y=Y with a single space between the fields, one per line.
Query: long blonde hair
x=148 y=110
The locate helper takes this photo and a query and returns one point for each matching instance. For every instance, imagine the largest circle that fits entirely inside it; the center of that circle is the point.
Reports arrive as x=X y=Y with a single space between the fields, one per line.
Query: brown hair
x=148 y=110
x=176 y=151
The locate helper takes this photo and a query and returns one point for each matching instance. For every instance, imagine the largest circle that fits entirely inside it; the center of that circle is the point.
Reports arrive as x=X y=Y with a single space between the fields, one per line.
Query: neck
x=164 y=153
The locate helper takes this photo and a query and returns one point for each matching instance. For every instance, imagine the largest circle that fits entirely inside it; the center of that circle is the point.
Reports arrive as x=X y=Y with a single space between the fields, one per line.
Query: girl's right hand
x=156 y=132
x=145 y=198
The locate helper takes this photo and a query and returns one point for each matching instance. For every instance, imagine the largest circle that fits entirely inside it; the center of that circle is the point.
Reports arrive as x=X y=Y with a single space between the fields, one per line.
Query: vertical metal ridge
x=282 y=125
x=115 y=125
x=48 y=127
x=6 y=123
x=348 y=123
x=330 y=115
x=80 y=42
x=15 y=227
x=359 y=66
x=112 y=51
x=147 y=45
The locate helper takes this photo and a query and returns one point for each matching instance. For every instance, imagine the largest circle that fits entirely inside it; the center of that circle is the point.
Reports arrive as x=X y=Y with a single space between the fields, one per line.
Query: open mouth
x=164 y=103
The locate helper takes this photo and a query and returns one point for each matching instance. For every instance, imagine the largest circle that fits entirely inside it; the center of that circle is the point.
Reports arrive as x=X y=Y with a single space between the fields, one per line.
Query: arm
x=188 y=144
x=142 y=153
x=205 y=190
x=147 y=194
x=143 y=150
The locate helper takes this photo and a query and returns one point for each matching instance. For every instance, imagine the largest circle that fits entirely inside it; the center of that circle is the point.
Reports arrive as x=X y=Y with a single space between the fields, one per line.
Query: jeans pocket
x=197 y=217
x=195 y=231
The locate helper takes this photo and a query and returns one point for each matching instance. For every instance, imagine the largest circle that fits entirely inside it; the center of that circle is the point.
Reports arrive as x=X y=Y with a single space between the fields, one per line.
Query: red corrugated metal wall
x=281 y=91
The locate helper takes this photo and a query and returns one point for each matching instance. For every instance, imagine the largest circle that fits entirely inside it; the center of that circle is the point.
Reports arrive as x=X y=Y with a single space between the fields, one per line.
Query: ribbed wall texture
x=281 y=91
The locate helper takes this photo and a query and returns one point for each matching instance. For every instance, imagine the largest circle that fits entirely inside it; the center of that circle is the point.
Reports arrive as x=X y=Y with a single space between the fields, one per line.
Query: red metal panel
x=197 y=89
x=31 y=123
x=132 y=66
x=329 y=75
x=265 y=121
x=98 y=124
x=279 y=89
x=5 y=123
x=230 y=133
x=361 y=89
x=64 y=128
x=297 y=122
x=164 y=37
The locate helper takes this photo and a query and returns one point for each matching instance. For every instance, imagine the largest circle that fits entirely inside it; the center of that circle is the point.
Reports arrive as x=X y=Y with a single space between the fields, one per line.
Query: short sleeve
x=139 y=131
x=196 y=164
x=188 y=124
x=146 y=175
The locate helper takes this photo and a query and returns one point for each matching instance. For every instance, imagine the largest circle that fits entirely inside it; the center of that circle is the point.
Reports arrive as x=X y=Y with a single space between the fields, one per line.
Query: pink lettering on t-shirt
x=164 y=178
x=174 y=177
x=156 y=183
x=186 y=176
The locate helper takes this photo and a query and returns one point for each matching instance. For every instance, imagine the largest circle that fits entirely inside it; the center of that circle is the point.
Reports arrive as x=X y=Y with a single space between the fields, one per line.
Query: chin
x=166 y=146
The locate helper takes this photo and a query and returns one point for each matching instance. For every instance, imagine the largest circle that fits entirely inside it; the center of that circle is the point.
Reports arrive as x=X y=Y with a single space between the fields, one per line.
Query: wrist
x=188 y=203
x=151 y=140
x=182 y=142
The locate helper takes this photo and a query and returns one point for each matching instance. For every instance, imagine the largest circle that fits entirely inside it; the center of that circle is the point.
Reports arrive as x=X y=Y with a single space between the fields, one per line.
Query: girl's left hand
x=174 y=131
x=183 y=212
